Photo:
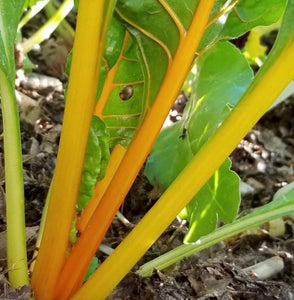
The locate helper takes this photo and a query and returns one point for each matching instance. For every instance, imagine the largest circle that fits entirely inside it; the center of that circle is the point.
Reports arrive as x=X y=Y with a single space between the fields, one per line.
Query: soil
x=263 y=159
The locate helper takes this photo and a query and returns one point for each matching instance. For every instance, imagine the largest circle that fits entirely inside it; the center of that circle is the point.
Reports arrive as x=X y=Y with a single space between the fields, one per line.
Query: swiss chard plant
x=130 y=59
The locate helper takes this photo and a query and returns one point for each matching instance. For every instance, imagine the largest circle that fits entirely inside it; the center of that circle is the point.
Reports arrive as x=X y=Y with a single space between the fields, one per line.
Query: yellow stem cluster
x=76 y=266
x=77 y=117
x=253 y=105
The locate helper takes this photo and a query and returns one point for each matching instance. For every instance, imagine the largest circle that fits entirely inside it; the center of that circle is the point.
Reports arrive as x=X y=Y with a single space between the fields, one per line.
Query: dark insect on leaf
x=184 y=133
x=126 y=93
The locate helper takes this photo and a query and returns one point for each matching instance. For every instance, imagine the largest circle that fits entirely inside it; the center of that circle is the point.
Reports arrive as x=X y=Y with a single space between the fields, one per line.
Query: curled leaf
x=96 y=160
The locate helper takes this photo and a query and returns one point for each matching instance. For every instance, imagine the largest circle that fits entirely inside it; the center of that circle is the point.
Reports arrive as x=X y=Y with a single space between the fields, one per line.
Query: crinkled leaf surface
x=10 y=12
x=96 y=160
x=246 y=15
x=222 y=76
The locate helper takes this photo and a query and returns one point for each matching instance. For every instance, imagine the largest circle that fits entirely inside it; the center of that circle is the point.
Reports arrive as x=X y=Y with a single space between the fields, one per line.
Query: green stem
x=46 y=30
x=64 y=29
x=273 y=210
x=16 y=237
x=32 y=12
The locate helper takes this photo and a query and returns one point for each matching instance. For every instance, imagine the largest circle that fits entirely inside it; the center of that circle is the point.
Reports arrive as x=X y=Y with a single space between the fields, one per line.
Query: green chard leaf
x=250 y=13
x=96 y=160
x=246 y=15
x=222 y=76
x=10 y=12
x=141 y=42
x=92 y=268
x=121 y=68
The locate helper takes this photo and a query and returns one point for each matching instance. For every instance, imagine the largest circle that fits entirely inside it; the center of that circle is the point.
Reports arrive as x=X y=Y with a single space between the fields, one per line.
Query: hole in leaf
x=126 y=93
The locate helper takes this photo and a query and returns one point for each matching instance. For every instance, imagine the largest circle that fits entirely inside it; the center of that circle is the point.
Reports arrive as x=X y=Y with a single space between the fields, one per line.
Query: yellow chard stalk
x=87 y=52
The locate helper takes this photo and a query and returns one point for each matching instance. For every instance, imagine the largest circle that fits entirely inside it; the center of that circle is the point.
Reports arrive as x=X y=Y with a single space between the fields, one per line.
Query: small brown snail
x=126 y=93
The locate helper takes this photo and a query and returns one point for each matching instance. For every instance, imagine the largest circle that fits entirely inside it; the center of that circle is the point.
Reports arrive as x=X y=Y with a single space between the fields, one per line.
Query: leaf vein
x=147 y=34
x=175 y=18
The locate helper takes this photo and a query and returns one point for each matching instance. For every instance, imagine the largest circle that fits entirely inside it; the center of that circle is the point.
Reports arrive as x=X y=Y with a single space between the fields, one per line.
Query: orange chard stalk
x=117 y=153
x=101 y=186
x=87 y=52
x=76 y=266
